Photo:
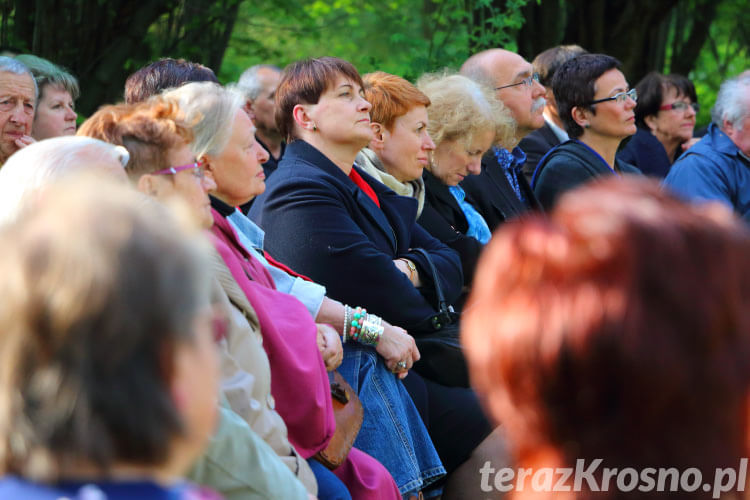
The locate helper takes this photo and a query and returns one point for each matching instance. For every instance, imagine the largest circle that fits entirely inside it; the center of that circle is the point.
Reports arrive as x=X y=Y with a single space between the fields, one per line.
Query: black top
x=569 y=165
x=536 y=145
x=323 y=225
x=443 y=218
x=492 y=195
x=644 y=151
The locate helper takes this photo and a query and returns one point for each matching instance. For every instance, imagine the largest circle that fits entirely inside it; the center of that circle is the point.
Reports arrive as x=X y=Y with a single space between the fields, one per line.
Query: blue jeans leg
x=329 y=486
x=392 y=431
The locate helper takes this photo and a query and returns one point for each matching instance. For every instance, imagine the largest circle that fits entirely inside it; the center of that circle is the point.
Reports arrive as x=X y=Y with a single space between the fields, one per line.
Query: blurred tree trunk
x=634 y=31
x=686 y=47
x=102 y=42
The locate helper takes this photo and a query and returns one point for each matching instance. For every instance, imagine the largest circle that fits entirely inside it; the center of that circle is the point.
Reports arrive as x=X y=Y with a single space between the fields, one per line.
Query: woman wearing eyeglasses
x=597 y=108
x=665 y=117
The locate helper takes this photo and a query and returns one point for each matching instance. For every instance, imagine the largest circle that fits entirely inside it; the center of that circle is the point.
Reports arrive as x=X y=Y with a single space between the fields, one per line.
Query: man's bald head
x=498 y=68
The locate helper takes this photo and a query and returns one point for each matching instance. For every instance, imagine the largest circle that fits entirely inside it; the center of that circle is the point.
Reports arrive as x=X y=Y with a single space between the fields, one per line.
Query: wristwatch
x=412 y=268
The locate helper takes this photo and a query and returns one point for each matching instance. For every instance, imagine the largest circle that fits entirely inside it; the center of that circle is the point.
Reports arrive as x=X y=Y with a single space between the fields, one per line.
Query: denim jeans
x=392 y=430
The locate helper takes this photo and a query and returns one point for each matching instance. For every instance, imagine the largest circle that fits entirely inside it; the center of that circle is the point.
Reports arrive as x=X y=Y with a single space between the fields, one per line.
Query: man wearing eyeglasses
x=718 y=167
x=501 y=192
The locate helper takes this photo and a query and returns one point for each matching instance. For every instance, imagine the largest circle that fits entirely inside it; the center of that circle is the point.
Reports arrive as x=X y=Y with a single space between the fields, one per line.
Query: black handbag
x=437 y=337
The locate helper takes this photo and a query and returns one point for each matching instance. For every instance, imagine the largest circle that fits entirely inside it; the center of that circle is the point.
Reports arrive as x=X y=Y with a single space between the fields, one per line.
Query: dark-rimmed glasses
x=528 y=81
x=196 y=166
x=680 y=106
x=619 y=97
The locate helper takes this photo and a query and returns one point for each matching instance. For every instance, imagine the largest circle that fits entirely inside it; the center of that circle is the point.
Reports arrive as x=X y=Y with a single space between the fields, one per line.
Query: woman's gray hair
x=732 y=102
x=46 y=162
x=461 y=108
x=209 y=110
x=10 y=65
x=47 y=73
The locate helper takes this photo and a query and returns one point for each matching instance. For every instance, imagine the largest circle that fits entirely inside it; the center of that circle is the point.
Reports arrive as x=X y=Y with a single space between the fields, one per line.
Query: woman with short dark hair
x=665 y=116
x=596 y=107
x=329 y=219
x=163 y=74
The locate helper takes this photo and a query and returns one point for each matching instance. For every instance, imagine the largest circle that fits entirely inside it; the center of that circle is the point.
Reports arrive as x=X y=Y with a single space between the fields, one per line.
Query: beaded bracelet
x=356 y=324
x=360 y=326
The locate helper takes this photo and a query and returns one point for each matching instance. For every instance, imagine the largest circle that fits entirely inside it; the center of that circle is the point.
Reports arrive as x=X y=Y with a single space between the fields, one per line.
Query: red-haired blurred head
x=616 y=328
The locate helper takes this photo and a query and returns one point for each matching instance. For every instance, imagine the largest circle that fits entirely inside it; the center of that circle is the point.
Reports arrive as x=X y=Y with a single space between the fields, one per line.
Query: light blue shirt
x=251 y=236
x=478 y=228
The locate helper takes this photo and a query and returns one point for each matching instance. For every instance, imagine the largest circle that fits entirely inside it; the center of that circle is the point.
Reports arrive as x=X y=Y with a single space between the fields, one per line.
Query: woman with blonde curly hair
x=465 y=120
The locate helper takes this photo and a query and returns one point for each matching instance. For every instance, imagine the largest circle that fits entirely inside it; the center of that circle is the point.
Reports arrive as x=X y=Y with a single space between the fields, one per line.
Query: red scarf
x=364 y=186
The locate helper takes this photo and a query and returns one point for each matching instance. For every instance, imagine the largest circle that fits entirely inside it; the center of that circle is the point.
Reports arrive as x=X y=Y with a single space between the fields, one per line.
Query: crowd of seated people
x=221 y=291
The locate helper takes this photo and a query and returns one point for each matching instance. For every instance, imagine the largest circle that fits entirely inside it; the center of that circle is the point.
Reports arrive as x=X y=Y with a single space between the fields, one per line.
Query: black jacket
x=536 y=145
x=569 y=165
x=443 y=218
x=492 y=195
x=321 y=224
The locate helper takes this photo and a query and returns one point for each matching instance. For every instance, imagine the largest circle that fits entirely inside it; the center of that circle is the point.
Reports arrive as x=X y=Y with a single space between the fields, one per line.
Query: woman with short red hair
x=618 y=328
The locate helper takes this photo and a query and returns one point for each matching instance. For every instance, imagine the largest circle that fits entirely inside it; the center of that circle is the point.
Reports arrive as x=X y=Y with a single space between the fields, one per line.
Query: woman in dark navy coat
x=331 y=221
x=336 y=224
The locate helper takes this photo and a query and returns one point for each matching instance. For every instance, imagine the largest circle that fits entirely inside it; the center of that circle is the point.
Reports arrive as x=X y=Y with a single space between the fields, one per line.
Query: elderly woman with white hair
x=718 y=166
x=465 y=120
x=392 y=431
x=18 y=96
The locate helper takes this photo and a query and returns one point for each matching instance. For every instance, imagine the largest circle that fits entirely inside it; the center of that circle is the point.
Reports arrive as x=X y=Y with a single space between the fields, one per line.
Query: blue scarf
x=478 y=228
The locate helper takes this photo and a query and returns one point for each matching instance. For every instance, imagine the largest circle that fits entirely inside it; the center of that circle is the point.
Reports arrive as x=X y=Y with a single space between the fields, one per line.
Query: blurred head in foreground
x=618 y=327
x=46 y=162
x=107 y=361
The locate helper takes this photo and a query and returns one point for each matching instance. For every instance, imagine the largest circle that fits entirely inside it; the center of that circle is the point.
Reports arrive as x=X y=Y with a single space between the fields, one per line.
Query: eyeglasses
x=680 y=106
x=197 y=169
x=619 y=97
x=529 y=81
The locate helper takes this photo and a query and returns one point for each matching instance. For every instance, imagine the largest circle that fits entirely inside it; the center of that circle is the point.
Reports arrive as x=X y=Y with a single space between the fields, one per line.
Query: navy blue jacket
x=644 y=151
x=713 y=169
x=568 y=166
x=321 y=224
x=536 y=145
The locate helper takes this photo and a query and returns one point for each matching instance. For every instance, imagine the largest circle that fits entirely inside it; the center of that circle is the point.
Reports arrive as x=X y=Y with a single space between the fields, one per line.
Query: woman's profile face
x=612 y=119
x=454 y=160
x=191 y=185
x=674 y=125
x=342 y=114
x=407 y=146
x=238 y=170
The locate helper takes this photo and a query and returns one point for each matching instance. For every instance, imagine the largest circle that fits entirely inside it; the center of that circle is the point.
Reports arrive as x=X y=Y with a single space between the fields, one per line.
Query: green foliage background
x=404 y=37
x=410 y=37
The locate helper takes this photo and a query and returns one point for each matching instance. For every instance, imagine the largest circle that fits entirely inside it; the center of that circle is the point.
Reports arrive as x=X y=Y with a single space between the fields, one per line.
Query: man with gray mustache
x=500 y=192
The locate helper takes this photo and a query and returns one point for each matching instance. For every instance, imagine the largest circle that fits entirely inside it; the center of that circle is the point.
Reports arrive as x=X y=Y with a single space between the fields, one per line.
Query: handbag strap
x=442 y=303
